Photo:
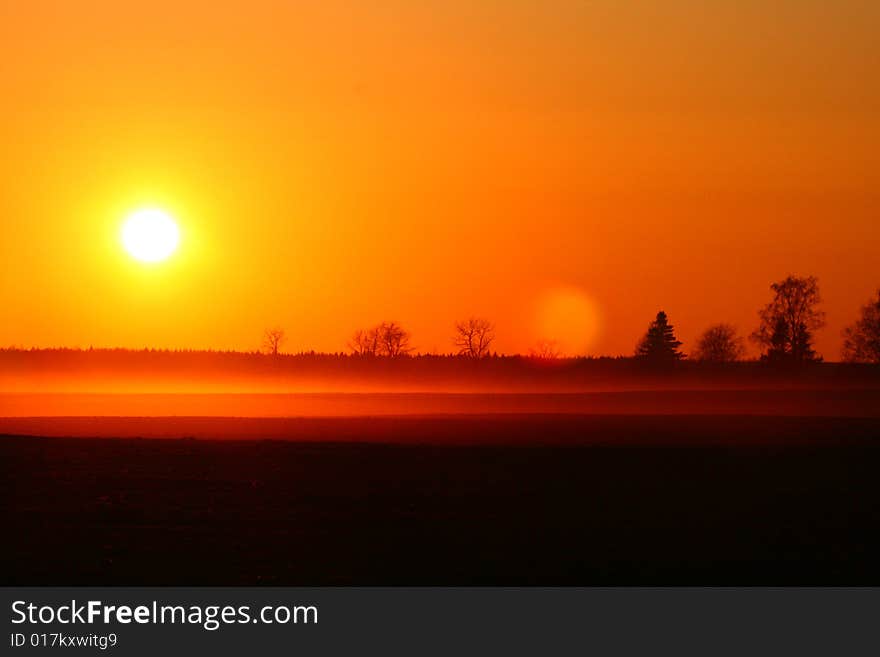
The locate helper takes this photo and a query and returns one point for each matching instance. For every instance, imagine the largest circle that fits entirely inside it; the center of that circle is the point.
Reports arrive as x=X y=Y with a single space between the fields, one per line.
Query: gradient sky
x=333 y=164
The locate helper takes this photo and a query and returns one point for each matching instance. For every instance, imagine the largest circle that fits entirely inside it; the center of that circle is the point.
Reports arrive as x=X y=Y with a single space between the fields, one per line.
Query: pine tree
x=777 y=350
x=790 y=347
x=660 y=344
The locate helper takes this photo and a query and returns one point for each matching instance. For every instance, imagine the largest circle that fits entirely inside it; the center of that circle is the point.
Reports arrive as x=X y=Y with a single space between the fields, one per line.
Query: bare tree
x=473 y=337
x=365 y=342
x=719 y=344
x=861 y=341
x=272 y=340
x=789 y=320
x=545 y=350
x=386 y=339
x=393 y=340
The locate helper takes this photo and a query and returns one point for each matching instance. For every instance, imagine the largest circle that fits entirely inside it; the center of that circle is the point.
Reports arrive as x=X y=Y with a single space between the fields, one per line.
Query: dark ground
x=457 y=500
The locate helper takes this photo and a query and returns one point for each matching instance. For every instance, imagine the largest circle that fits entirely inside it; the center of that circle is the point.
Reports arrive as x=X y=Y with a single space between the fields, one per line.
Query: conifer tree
x=660 y=344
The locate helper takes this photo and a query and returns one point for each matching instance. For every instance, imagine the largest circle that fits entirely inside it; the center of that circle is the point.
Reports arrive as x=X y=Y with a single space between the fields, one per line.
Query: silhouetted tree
x=777 y=350
x=719 y=344
x=393 y=340
x=789 y=320
x=473 y=337
x=272 y=340
x=365 y=342
x=861 y=341
x=545 y=350
x=386 y=339
x=660 y=344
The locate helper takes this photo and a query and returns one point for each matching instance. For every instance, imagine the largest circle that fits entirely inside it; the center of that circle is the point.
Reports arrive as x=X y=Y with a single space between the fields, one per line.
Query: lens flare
x=569 y=319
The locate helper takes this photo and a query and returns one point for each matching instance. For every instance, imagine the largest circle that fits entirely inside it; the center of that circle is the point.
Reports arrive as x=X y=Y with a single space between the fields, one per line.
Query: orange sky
x=333 y=164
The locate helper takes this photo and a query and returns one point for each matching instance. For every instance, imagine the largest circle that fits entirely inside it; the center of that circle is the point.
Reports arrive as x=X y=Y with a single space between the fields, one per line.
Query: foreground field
x=828 y=402
x=540 y=499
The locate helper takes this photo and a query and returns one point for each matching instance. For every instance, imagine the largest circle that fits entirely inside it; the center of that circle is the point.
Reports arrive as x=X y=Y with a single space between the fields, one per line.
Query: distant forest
x=105 y=369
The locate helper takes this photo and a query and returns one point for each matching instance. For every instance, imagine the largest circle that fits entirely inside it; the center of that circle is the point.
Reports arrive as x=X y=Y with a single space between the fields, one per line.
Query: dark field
x=538 y=499
x=843 y=401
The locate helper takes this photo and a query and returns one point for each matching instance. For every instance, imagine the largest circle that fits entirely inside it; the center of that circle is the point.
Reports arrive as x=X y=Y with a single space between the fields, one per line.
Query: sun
x=150 y=235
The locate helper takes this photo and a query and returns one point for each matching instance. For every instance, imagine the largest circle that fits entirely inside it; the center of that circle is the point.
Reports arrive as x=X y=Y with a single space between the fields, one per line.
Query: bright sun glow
x=150 y=235
x=570 y=319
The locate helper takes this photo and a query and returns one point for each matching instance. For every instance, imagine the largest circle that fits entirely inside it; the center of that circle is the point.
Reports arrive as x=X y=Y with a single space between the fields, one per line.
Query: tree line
x=785 y=334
